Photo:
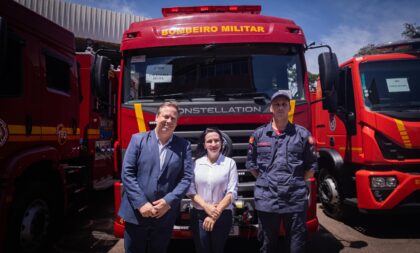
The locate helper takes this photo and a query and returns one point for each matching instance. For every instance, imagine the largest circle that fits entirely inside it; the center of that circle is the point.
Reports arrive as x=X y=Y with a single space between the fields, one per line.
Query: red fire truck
x=56 y=129
x=367 y=131
x=220 y=64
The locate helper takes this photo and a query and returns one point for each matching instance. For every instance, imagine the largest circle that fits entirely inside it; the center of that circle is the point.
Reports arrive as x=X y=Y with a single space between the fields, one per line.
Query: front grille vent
x=391 y=150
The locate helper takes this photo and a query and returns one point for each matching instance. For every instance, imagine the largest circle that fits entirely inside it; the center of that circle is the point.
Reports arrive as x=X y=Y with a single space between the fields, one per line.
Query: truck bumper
x=244 y=232
x=118 y=229
x=184 y=231
x=405 y=196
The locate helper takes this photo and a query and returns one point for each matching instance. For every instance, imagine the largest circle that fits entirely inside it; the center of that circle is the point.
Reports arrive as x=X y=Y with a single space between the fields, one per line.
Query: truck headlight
x=383 y=182
x=377 y=182
x=382 y=186
x=391 y=182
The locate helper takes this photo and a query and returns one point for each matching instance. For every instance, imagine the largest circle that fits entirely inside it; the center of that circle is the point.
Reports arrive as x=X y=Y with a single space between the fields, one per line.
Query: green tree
x=312 y=81
x=411 y=31
x=369 y=49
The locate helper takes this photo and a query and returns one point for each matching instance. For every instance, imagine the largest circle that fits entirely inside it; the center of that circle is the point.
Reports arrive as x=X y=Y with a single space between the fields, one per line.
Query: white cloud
x=361 y=23
x=346 y=40
x=124 y=6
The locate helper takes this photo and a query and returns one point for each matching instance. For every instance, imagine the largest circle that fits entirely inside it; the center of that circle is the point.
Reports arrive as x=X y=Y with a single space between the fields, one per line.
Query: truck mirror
x=351 y=124
x=328 y=75
x=330 y=102
x=100 y=77
x=328 y=71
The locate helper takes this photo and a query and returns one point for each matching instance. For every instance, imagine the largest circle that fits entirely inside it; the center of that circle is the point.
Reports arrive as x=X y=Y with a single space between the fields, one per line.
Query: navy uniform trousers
x=294 y=224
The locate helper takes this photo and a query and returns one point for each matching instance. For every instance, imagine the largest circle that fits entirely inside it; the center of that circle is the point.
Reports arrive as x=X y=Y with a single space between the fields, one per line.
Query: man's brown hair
x=168 y=104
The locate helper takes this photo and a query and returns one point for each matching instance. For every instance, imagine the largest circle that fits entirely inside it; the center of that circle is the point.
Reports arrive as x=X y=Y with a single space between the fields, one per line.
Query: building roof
x=85 y=22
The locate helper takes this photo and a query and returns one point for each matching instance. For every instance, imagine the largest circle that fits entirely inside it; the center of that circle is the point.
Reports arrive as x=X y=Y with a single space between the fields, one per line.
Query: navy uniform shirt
x=281 y=161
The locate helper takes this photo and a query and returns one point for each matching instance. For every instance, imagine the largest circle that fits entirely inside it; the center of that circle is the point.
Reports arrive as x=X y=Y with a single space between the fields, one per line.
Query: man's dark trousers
x=146 y=239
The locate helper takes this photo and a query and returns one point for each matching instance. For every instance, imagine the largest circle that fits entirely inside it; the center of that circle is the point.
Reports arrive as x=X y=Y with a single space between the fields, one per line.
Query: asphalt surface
x=92 y=231
x=368 y=233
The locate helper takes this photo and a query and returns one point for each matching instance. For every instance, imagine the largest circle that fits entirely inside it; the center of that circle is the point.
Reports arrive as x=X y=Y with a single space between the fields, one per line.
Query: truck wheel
x=227 y=145
x=32 y=218
x=329 y=194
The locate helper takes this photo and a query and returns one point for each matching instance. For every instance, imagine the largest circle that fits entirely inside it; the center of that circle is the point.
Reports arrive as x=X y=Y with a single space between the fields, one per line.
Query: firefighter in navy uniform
x=281 y=156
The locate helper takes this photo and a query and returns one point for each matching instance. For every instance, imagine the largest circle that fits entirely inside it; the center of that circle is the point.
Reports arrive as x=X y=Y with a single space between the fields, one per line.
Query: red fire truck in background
x=56 y=127
x=220 y=64
x=367 y=131
x=97 y=113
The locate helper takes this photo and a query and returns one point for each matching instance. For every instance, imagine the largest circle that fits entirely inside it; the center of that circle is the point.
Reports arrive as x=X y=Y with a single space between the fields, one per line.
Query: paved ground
x=93 y=232
x=369 y=233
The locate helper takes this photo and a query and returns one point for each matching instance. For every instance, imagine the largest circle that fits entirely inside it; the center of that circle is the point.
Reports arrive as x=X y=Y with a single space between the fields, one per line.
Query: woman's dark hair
x=200 y=150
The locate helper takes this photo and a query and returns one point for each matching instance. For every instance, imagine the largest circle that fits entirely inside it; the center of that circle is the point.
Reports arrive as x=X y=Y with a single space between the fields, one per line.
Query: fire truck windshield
x=212 y=72
x=391 y=85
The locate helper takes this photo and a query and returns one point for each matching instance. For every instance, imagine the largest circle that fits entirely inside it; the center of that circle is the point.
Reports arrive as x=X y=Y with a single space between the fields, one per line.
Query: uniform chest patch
x=263 y=144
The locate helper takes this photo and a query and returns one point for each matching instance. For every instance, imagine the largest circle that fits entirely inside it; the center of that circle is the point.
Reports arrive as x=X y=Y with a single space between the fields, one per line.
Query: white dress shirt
x=163 y=150
x=213 y=181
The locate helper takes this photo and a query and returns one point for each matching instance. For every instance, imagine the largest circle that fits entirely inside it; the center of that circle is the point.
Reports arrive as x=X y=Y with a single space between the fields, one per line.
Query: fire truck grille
x=239 y=135
x=391 y=150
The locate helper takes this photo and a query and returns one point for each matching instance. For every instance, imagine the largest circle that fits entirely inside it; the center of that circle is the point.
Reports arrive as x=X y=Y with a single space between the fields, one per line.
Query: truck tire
x=329 y=194
x=33 y=216
x=227 y=145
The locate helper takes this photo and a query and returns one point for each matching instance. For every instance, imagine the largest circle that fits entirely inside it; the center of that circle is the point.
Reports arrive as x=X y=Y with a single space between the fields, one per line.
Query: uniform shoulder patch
x=251 y=140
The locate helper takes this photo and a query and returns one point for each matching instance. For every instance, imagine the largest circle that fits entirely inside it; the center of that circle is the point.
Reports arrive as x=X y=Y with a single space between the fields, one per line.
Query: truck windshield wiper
x=408 y=105
x=249 y=94
x=390 y=106
x=171 y=95
x=381 y=106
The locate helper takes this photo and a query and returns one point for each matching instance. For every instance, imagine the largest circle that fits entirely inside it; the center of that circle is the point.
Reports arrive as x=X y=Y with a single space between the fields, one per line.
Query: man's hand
x=212 y=211
x=208 y=224
x=308 y=174
x=161 y=208
x=147 y=210
x=255 y=172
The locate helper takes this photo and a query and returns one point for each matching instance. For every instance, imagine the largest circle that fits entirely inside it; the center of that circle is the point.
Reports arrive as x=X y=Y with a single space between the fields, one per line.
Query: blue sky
x=345 y=25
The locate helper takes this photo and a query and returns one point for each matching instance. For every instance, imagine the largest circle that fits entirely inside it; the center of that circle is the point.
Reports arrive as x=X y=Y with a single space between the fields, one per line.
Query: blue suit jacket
x=144 y=182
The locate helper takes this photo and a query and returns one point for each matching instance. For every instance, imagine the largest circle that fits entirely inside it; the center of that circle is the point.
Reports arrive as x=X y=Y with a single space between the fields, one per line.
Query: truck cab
x=367 y=132
x=55 y=142
x=221 y=64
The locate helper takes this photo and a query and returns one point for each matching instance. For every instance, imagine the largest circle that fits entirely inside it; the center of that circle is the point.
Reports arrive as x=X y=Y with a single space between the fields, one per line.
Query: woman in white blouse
x=213 y=191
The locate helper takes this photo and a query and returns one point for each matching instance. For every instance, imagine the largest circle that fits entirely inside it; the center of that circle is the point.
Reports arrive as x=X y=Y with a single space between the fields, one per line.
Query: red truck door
x=60 y=103
x=20 y=106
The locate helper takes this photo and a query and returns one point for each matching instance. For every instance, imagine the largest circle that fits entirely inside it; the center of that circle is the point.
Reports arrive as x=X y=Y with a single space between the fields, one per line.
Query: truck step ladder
x=77 y=186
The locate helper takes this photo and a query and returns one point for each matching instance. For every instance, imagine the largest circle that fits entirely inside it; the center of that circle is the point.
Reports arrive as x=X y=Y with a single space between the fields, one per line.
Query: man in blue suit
x=156 y=174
